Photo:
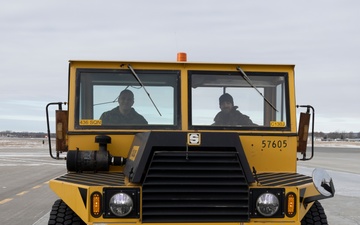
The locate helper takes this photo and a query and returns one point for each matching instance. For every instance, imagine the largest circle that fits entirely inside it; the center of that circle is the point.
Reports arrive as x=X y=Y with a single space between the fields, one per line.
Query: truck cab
x=188 y=163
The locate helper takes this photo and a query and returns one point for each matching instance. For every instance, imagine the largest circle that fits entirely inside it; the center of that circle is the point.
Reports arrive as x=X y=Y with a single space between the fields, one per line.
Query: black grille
x=195 y=187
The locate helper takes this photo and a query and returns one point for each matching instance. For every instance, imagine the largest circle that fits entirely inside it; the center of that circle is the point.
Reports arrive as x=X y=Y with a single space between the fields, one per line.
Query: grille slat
x=198 y=173
x=197 y=196
x=197 y=180
x=190 y=211
x=176 y=166
x=195 y=187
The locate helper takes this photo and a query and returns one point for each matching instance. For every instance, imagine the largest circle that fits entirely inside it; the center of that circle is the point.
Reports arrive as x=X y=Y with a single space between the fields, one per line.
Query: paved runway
x=25 y=169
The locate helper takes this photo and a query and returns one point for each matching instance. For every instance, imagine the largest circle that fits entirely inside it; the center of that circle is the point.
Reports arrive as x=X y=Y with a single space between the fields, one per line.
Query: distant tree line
x=338 y=135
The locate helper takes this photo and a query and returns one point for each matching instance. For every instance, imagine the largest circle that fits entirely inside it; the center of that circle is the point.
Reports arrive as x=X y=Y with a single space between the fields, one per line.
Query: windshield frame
x=168 y=75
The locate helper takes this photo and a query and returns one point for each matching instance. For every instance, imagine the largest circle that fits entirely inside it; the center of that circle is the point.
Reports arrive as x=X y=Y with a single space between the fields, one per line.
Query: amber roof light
x=181 y=57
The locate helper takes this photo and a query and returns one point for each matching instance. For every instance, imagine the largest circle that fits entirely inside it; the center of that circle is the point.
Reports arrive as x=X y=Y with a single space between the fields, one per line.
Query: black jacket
x=114 y=117
x=234 y=117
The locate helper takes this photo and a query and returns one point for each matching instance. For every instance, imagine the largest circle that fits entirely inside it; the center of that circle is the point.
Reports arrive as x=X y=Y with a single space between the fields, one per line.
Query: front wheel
x=315 y=216
x=61 y=214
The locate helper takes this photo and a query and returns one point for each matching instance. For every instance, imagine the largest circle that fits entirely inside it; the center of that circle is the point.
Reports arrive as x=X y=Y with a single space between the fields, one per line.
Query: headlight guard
x=267 y=202
x=121 y=203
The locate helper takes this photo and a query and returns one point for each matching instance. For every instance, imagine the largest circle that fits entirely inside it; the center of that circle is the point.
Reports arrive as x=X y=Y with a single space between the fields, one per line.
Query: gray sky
x=322 y=38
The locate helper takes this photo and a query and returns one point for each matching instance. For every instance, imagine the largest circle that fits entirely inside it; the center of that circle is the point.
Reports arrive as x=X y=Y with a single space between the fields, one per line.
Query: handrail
x=312 y=130
x=48 y=127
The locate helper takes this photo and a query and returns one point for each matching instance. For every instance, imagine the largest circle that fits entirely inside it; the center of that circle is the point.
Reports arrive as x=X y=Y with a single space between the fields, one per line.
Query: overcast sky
x=38 y=37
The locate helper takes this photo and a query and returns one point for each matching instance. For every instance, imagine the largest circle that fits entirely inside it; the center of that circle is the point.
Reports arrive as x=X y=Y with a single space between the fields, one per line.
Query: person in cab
x=124 y=114
x=229 y=115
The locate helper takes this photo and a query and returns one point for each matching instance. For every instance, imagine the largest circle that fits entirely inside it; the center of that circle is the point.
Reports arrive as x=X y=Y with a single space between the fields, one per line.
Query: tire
x=315 y=216
x=61 y=214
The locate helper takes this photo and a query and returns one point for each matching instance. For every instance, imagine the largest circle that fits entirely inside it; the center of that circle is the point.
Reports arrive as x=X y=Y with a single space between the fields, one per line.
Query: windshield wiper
x=247 y=79
x=142 y=85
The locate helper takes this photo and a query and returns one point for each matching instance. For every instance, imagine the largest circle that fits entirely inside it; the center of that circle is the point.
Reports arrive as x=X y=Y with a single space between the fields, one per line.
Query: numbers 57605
x=274 y=143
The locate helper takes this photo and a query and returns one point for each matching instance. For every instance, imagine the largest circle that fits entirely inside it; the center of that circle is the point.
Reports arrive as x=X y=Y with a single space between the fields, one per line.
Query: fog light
x=121 y=204
x=267 y=204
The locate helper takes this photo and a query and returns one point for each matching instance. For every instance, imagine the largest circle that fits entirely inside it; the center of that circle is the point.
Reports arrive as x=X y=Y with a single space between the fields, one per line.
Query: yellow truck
x=184 y=143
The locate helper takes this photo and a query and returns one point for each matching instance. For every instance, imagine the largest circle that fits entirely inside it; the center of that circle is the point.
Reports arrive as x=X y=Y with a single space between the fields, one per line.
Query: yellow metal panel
x=70 y=194
x=270 y=153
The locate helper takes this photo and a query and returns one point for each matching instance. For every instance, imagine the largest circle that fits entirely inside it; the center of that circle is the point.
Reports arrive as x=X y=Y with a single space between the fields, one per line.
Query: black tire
x=61 y=214
x=315 y=216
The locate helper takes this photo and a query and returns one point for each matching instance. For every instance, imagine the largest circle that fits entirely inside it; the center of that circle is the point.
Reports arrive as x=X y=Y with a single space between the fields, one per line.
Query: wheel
x=61 y=214
x=315 y=216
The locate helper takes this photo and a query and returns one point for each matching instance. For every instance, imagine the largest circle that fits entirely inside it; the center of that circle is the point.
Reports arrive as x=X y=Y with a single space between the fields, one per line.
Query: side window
x=223 y=99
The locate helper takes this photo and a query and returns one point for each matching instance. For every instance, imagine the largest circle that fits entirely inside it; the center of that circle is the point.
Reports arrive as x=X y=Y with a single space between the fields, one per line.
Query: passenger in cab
x=124 y=113
x=229 y=115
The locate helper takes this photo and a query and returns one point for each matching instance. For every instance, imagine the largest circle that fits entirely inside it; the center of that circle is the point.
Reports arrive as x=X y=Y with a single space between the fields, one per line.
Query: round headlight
x=267 y=204
x=121 y=204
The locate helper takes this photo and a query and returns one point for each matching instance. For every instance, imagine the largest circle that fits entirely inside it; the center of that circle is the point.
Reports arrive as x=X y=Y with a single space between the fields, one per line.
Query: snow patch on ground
x=14 y=142
x=339 y=144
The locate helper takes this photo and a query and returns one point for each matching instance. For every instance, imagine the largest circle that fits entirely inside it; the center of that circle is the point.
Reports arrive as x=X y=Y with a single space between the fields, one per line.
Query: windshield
x=225 y=100
x=218 y=100
x=115 y=99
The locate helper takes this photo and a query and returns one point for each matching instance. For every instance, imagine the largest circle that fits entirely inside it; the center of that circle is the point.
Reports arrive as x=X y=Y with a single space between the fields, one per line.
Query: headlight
x=121 y=204
x=267 y=204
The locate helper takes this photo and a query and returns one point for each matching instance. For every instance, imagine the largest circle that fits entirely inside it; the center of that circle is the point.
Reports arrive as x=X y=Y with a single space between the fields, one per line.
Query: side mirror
x=61 y=130
x=303 y=131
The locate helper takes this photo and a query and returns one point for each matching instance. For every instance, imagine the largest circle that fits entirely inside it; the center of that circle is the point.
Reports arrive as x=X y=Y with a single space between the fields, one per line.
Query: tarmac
x=26 y=168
